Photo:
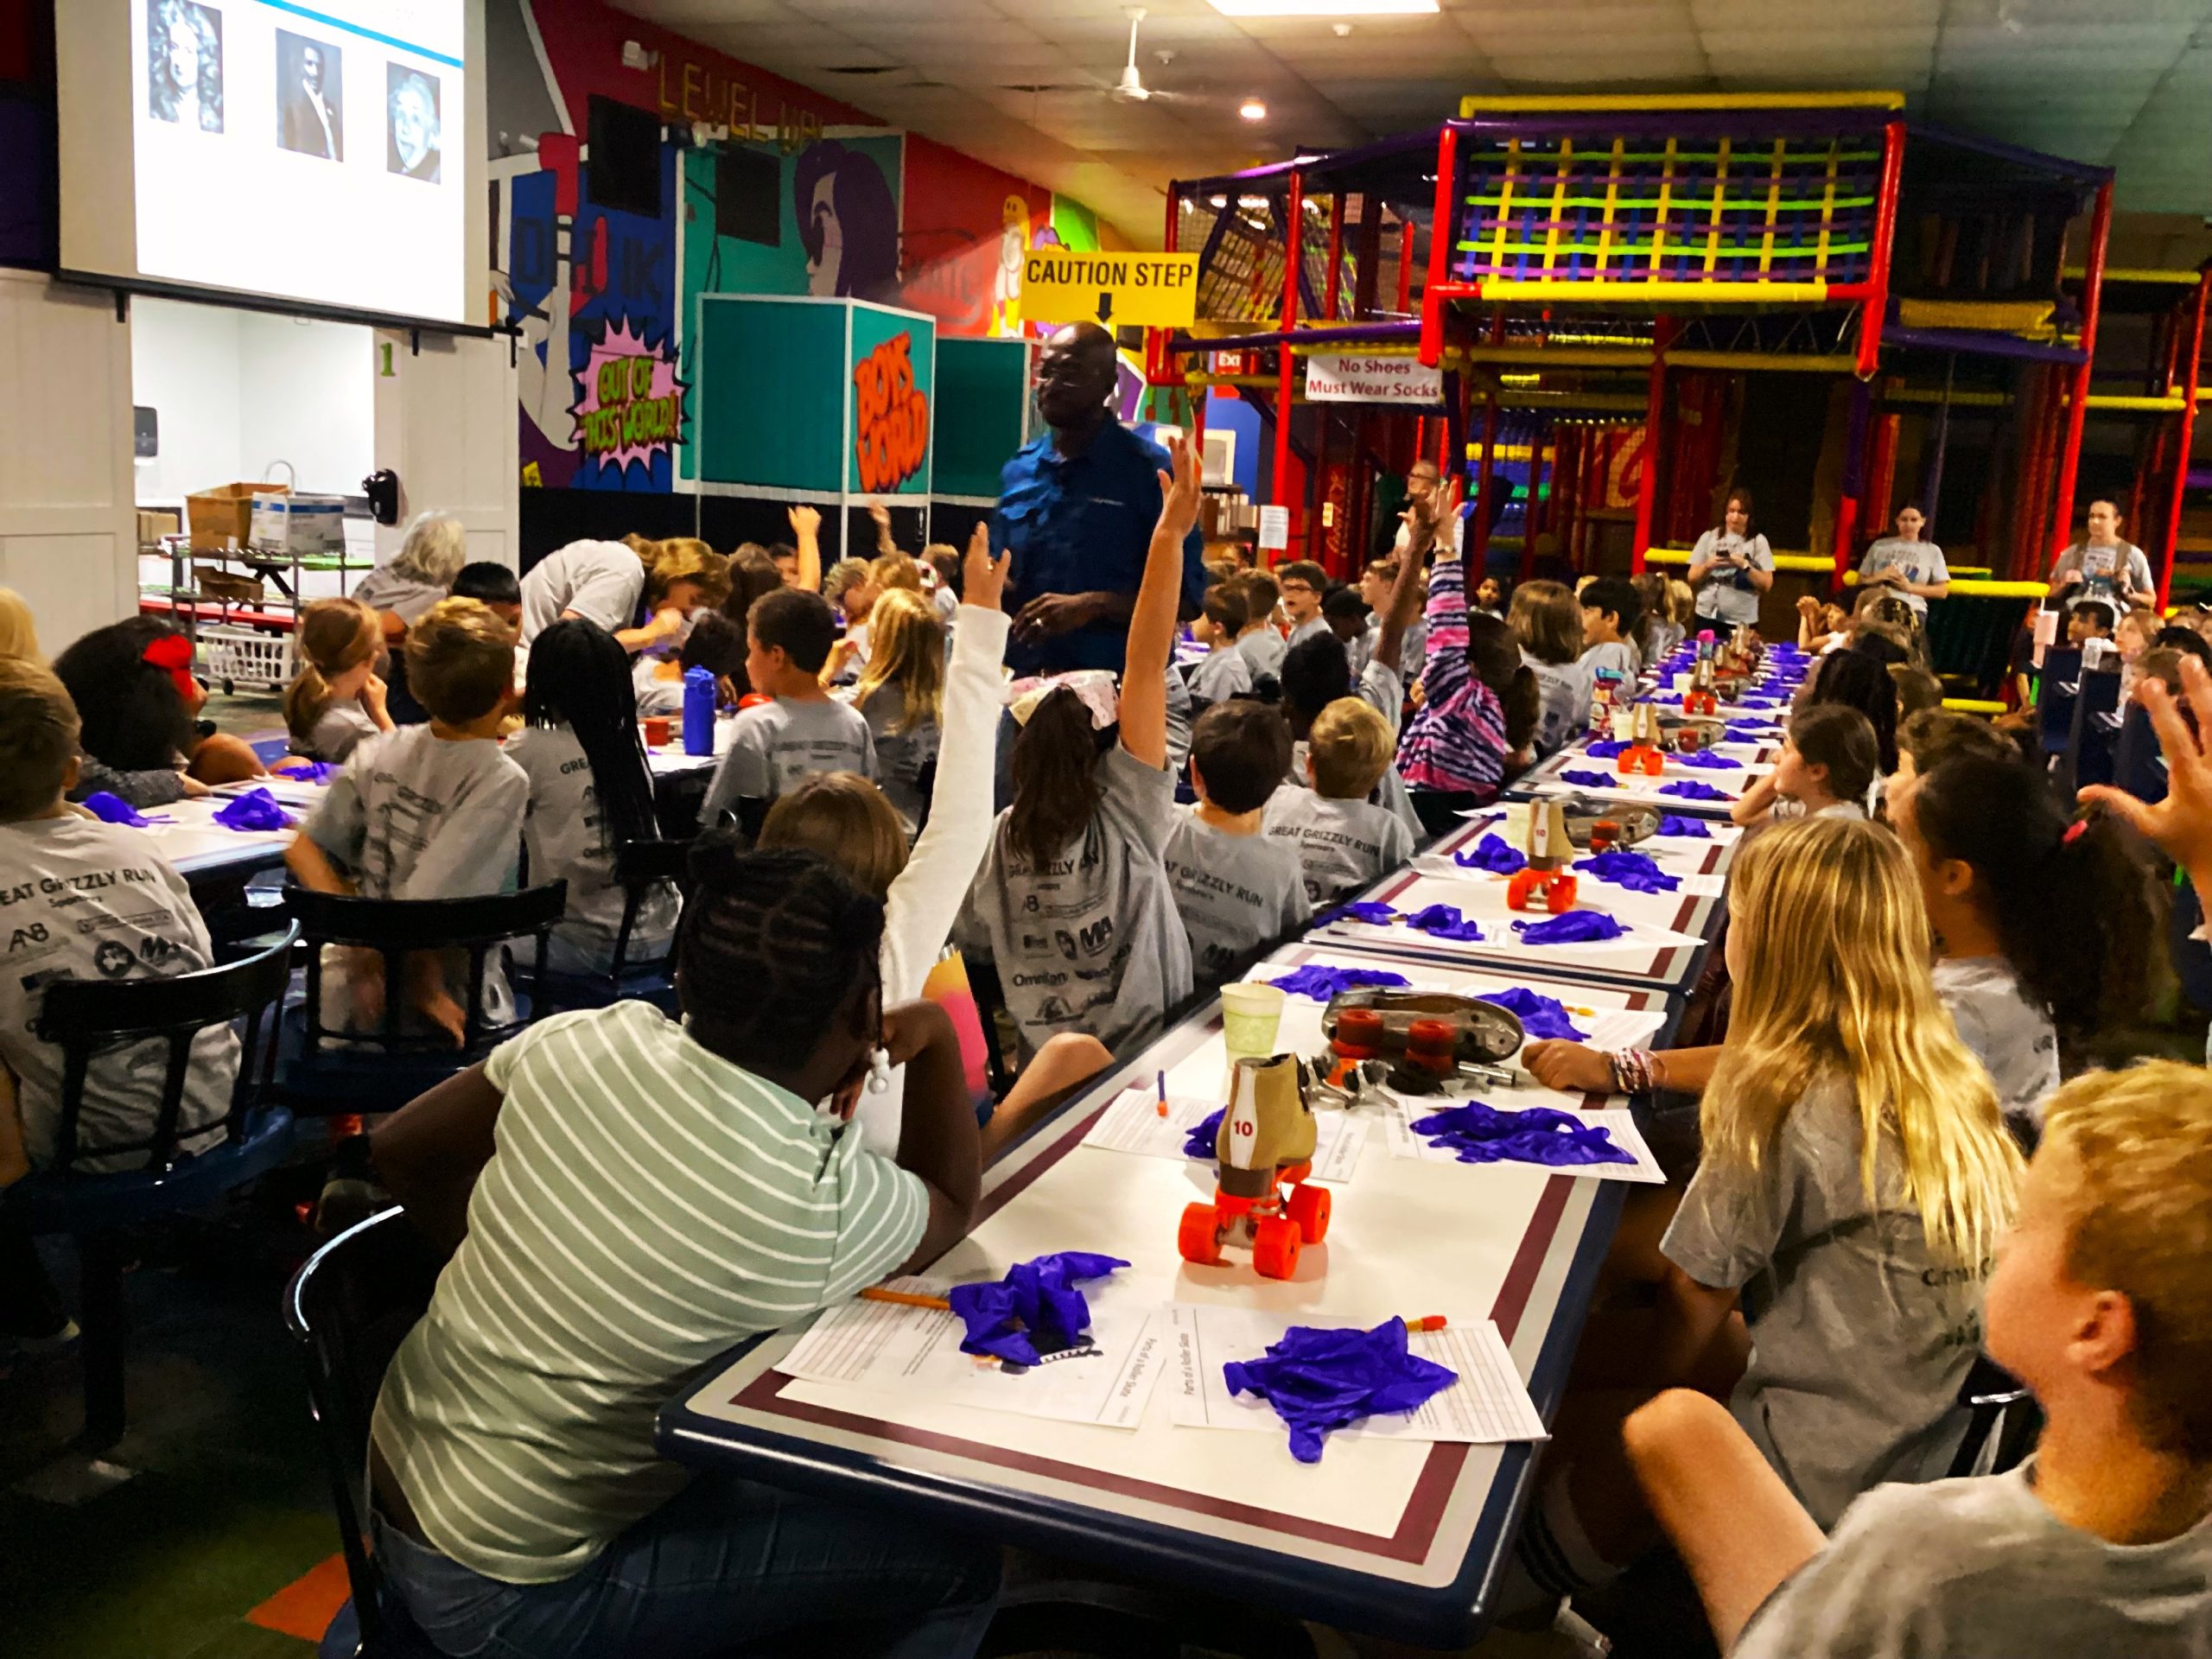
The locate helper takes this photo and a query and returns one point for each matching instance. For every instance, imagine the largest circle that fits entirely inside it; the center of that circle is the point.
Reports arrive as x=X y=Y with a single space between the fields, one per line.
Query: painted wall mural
x=765 y=188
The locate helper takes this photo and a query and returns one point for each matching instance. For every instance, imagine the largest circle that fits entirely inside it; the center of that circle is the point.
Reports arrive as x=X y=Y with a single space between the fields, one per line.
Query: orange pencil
x=905 y=1299
x=1432 y=1322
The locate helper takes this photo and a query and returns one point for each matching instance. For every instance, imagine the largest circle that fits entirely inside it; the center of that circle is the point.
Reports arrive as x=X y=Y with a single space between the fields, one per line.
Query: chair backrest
x=2056 y=692
x=2135 y=764
x=639 y=866
x=2090 y=738
x=395 y=927
x=350 y=1306
x=86 y=1018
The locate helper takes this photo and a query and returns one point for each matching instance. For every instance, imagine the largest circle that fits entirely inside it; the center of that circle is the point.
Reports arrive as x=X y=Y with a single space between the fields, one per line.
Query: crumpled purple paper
x=1576 y=927
x=1759 y=703
x=1491 y=854
x=1445 y=922
x=1748 y=732
x=1199 y=1143
x=1708 y=759
x=1605 y=748
x=1542 y=1017
x=315 y=771
x=1691 y=789
x=1634 y=871
x=1537 y=1134
x=1037 y=1297
x=1688 y=829
x=1587 y=779
x=1321 y=1380
x=1322 y=982
x=255 y=809
x=113 y=809
x=1368 y=910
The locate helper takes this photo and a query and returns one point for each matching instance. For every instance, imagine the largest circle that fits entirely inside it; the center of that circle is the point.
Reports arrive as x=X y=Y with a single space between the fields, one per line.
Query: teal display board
x=983 y=405
x=814 y=398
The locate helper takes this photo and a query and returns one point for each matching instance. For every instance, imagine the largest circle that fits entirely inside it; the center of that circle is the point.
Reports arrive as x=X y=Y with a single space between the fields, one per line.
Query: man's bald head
x=1076 y=374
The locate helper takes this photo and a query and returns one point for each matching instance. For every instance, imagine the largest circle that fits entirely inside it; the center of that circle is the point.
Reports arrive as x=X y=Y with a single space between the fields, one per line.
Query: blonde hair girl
x=18 y=634
x=901 y=692
x=1854 y=1166
x=337 y=698
x=682 y=573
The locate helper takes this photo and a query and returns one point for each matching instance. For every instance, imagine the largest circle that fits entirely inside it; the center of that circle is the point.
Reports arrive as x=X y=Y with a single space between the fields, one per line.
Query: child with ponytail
x=902 y=694
x=338 y=697
x=2047 y=932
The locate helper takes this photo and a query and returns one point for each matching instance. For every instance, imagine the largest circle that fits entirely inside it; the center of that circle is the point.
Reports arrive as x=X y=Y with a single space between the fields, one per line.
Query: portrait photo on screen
x=184 y=64
x=310 y=97
x=413 y=147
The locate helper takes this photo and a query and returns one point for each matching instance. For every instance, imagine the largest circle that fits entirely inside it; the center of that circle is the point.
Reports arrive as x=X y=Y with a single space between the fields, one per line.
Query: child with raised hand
x=1826 y=770
x=626 y=1195
x=1082 y=843
x=337 y=699
x=590 y=791
x=1238 y=890
x=1452 y=753
x=1855 y=1176
x=2101 y=1304
x=431 y=811
x=1345 y=840
x=901 y=695
x=132 y=685
x=2045 y=930
x=802 y=730
x=1225 y=673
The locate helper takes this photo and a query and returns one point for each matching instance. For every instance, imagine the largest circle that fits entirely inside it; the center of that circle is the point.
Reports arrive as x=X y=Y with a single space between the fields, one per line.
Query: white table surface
x=1392 y=1536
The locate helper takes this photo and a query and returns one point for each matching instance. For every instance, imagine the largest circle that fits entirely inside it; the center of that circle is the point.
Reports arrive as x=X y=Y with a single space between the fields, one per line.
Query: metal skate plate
x=1489 y=1034
x=1636 y=823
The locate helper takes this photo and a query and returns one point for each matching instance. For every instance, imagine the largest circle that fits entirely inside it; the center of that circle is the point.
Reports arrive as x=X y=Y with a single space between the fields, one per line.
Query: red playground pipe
x=1434 y=295
x=2190 y=374
x=2077 y=408
x=1655 y=416
x=1292 y=256
x=1873 y=311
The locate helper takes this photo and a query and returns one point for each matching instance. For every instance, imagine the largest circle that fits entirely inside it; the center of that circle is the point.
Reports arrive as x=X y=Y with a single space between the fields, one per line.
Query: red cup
x=657 y=731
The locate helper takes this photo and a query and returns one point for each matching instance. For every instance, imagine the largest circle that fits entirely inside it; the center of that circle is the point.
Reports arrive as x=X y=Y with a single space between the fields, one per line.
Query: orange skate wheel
x=1309 y=1211
x=1199 y=1237
x=1558 y=899
x=1275 y=1247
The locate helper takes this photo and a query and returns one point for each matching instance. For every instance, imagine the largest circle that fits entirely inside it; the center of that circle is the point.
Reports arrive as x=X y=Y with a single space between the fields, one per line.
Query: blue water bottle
x=698 y=711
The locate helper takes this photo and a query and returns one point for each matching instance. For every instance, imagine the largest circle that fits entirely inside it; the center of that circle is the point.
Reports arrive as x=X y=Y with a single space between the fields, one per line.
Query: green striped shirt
x=647 y=1204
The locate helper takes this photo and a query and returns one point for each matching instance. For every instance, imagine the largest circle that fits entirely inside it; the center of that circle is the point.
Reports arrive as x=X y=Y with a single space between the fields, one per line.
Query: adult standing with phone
x=1731 y=566
x=2103 y=566
x=1907 y=564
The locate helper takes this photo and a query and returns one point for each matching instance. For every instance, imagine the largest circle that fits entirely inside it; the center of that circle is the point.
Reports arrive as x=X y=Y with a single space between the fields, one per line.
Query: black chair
x=2002 y=1421
x=2056 y=690
x=639 y=866
x=2094 y=734
x=349 y=1306
x=326 y=1068
x=2137 y=765
x=89 y=1018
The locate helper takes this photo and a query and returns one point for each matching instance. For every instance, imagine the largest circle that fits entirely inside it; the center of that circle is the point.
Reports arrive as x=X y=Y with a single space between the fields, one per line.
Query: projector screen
x=325 y=157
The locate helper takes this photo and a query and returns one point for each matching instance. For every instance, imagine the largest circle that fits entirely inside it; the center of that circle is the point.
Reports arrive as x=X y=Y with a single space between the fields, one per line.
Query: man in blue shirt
x=1077 y=508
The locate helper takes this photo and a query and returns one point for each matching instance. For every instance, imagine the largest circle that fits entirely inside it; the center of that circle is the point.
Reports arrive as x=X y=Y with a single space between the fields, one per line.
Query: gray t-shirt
x=1921 y=562
x=1727 y=594
x=339 y=732
x=1091 y=941
x=1341 y=846
x=1564 y=697
x=1860 y=1338
x=1982 y=1569
x=1219 y=676
x=901 y=757
x=2101 y=568
x=774 y=744
x=1263 y=649
x=385 y=589
x=1178 y=720
x=2012 y=1038
x=1236 y=893
x=655 y=695
x=84 y=900
x=1312 y=628
x=600 y=580
x=1616 y=655
x=567 y=839
x=416 y=816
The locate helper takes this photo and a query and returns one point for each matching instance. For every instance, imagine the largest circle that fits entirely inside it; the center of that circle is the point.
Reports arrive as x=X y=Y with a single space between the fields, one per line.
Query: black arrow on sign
x=1105 y=307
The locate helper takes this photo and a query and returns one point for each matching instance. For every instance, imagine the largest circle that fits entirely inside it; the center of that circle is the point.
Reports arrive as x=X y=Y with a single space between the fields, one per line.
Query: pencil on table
x=1160 y=1082
x=905 y=1299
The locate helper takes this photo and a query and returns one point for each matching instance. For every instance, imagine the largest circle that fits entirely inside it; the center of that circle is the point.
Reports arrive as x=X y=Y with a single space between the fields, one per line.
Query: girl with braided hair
x=626 y=1196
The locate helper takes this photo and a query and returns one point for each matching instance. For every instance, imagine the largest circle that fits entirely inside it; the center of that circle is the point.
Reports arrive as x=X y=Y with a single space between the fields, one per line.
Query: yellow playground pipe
x=1537 y=104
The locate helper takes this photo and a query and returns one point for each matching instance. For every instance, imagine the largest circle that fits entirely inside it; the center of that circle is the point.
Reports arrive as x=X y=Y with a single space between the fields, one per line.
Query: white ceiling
x=2127 y=82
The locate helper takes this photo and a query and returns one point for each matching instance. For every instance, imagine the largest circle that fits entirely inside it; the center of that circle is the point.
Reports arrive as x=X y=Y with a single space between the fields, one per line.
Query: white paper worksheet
x=1488 y=1404
x=1132 y=1123
x=915 y=1352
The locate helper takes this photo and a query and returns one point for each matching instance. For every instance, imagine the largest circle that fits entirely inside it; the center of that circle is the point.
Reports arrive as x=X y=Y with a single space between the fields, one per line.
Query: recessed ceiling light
x=1252 y=110
x=1323 y=8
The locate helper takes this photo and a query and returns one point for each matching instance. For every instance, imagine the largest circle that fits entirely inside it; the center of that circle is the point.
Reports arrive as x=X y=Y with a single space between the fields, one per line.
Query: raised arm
x=1445 y=673
x=1405 y=590
x=806 y=537
x=1152 y=619
x=880 y=516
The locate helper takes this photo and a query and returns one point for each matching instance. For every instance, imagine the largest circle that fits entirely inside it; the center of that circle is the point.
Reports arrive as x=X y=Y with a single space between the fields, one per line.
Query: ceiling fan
x=1131 y=89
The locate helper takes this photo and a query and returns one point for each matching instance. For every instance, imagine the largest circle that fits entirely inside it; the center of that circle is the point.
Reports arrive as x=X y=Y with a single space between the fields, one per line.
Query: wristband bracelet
x=1632 y=1071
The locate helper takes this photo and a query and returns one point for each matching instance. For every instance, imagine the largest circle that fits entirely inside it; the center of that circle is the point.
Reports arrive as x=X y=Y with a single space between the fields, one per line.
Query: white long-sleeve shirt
x=927 y=897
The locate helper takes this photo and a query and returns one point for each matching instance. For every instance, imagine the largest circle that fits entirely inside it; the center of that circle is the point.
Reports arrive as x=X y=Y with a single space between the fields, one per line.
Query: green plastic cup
x=1250 y=1016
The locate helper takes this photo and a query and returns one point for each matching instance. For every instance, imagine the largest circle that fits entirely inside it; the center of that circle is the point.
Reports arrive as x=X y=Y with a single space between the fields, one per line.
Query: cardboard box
x=289 y=523
x=223 y=517
x=156 y=523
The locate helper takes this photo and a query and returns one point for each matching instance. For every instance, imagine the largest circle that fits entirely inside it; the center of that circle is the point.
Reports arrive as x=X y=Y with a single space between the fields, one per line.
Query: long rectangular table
x=1404 y=1539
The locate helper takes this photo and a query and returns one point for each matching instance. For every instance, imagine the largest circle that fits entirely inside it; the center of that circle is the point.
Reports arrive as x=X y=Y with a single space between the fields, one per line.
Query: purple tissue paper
x=1708 y=760
x=1690 y=789
x=1367 y=911
x=1199 y=1143
x=1445 y=922
x=1481 y=1135
x=1036 y=1299
x=1322 y=982
x=113 y=809
x=1321 y=1380
x=1576 y=927
x=1605 y=748
x=1688 y=829
x=1541 y=1016
x=1631 y=870
x=1588 y=779
x=1491 y=854
x=255 y=809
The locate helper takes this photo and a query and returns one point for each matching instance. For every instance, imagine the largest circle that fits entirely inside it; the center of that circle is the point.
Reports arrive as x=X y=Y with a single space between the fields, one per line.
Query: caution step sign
x=1137 y=290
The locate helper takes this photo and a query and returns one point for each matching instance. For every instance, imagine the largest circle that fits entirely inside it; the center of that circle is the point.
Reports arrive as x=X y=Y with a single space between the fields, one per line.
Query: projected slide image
x=184 y=64
x=414 y=147
x=310 y=97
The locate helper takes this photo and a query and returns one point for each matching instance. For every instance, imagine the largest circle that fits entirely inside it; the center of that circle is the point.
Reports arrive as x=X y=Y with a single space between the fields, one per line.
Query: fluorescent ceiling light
x=1252 y=110
x=1323 y=8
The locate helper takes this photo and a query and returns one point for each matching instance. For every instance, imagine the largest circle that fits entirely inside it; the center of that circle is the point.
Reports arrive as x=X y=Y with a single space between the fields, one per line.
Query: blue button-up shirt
x=1081 y=524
